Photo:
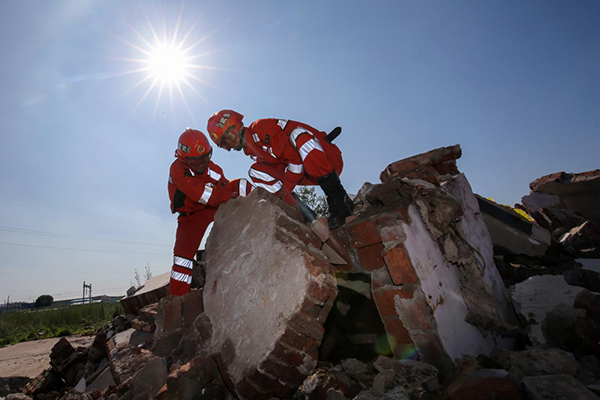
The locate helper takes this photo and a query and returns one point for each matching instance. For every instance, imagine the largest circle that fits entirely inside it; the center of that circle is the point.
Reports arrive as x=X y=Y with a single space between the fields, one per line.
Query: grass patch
x=48 y=322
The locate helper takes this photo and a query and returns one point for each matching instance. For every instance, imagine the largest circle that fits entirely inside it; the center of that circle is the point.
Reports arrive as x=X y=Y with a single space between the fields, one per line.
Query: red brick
x=399 y=265
x=447 y=168
x=380 y=278
x=365 y=234
x=307 y=327
x=416 y=315
x=317 y=266
x=400 y=341
x=321 y=293
x=391 y=234
x=293 y=339
x=285 y=373
x=267 y=385
x=193 y=306
x=403 y=165
x=310 y=309
x=384 y=299
x=371 y=257
x=398 y=337
x=287 y=356
x=171 y=310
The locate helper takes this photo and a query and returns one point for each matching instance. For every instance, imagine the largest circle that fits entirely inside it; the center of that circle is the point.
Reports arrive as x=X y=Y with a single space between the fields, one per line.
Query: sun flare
x=167 y=62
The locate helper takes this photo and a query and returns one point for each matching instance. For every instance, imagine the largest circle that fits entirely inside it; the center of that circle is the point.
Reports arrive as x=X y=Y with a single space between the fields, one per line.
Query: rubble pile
x=554 y=231
x=425 y=293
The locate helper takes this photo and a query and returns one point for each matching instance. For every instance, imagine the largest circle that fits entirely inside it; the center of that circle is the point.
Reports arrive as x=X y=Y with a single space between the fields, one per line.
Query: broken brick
x=399 y=265
x=384 y=298
x=365 y=234
x=371 y=257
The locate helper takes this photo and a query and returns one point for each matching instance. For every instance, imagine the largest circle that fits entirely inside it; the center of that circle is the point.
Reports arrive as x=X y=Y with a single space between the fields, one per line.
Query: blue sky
x=84 y=162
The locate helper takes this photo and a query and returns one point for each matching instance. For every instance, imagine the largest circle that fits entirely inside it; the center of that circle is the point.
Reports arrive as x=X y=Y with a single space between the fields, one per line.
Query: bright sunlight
x=167 y=63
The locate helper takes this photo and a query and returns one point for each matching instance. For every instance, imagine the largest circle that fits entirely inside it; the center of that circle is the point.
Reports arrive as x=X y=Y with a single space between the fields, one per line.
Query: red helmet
x=194 y=150
x=220 y=122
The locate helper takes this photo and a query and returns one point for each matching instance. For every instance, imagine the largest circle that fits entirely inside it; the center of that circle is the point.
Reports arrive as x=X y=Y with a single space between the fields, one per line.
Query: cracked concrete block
x=275 y=287
x=539 y=295
x=556 y=387
x=579 y=192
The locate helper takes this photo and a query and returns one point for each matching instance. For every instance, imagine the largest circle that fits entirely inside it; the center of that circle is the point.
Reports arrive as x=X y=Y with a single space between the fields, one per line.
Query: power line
x=78 y=237
x=71 y=211
x=85 y=250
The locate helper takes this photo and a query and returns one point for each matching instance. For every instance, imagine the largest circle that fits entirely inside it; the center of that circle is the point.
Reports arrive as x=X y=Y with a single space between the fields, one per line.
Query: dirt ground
x=30 y=358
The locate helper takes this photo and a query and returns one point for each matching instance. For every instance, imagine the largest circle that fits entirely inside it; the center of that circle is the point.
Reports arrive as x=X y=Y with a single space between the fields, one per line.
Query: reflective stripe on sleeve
x=243 y=186
x=294 y=135
x=309 y=146
x=170 y=180
x=178 y=276
x=206 y=194
x=214 y=175
x=271 y=188
x=255 y=137
x=282 y=123
x=183 y=262
x=295 y=168
x=263 y=176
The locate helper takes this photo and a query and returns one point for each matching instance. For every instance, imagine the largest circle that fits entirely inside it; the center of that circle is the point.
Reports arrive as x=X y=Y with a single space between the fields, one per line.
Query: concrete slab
x=540 y=294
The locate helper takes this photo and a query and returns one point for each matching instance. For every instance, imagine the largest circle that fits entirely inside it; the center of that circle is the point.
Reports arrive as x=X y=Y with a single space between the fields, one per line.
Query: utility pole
x=86 y=287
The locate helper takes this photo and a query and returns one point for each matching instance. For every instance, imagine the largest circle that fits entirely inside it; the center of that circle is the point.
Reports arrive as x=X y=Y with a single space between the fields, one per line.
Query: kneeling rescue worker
x=286 y=154
x=197 y=187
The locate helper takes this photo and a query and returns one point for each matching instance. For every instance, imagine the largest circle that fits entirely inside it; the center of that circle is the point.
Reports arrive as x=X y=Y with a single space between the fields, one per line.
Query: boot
x=340 y=204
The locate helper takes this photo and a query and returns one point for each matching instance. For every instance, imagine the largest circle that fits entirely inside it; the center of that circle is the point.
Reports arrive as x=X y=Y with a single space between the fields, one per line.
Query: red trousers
x=190 y=231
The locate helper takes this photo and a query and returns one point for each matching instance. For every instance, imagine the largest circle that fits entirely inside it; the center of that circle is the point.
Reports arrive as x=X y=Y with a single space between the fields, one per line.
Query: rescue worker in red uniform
x=286 y=154
x=197 y=187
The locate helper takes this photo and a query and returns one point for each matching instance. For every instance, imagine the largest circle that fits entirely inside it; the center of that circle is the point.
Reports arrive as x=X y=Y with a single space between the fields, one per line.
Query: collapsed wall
x=422 y=239
x=268 y=291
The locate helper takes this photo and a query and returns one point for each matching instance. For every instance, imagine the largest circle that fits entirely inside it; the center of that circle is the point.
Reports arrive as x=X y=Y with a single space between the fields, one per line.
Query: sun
x=167 y=62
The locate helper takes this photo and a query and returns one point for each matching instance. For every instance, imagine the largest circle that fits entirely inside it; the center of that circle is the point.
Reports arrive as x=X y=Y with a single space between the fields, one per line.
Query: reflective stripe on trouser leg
x=263 y=179
x=320 y=163
x=190 y=230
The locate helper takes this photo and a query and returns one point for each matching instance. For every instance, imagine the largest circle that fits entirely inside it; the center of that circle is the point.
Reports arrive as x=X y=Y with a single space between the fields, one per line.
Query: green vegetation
x=316 y=202
x=47 y=323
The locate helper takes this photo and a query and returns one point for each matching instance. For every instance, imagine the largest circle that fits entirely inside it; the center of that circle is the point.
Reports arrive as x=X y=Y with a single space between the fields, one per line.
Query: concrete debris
x=579 y=192
x=155 y=289
x=512 y=232
x=276 y=287
x=486 y=384
x=551 y=387
x=539 y=295
x=408 y=300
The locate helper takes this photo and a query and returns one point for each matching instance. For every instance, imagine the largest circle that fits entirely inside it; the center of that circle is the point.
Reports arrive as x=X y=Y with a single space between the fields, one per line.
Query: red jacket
x=279 y=142
x=191 y=192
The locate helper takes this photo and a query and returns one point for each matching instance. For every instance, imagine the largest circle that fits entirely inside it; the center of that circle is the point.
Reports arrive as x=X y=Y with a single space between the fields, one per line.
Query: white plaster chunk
x=440 y=284
x=473 y=229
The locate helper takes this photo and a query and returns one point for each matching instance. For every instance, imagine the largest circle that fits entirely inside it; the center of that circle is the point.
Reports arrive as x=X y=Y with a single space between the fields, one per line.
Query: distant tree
x=147 y=272
x=44 y=300
x=139 y=280
x=316 y=202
